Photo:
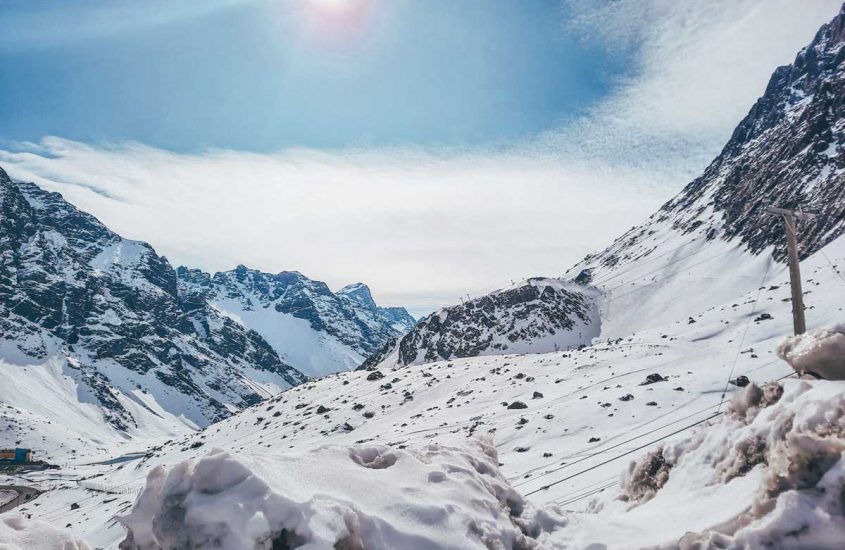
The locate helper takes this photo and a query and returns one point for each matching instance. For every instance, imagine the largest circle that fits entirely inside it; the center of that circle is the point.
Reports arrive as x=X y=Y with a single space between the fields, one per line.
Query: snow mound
x=19 y=533
x=349 y=497
x=770 y=474
x=820 y=352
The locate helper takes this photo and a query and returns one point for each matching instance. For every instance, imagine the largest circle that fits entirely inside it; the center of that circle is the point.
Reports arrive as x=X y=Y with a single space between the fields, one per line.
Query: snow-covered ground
x=19 y=533
x=565 y=426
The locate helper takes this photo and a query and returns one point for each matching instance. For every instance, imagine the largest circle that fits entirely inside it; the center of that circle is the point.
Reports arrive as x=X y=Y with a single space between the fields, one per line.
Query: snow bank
x=791 y=441
x=770 y=473
x=18 y=533
x=820 y=352
x=799 y=444
x=335 y=497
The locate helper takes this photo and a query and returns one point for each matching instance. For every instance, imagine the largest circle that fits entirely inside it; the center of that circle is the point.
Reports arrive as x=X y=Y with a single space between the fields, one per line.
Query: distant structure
x=16 y=456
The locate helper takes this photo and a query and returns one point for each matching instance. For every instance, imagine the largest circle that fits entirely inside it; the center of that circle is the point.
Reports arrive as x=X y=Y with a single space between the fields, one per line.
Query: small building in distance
x=16 y=456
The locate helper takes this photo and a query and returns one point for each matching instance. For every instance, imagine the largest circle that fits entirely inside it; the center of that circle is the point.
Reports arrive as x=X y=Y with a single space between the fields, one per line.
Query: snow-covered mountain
x=616 y=444
x=537 y=315
x=317 y=331
x=715 y=238
x=79 y=303
x=709 y=244
x=679 y=427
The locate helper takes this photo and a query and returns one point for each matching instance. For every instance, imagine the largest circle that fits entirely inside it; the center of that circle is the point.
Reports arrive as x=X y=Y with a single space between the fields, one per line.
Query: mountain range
x=636 y=401
x=150 y=344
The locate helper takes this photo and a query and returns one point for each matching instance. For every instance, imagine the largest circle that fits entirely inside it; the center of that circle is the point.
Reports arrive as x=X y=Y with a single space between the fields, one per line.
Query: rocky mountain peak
x=360 y=294
x=310 y=326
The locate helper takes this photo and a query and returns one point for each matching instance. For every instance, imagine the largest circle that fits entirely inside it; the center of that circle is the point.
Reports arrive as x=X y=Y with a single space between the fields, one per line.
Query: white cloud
x=699 y=66
x=423 y=227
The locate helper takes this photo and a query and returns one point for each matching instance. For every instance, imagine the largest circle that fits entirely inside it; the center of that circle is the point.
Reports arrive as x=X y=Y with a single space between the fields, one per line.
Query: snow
x=435 y=498
x=312 y=352
x=18 y=533
x=287 y=445
x=770 y=475
x=820 y=352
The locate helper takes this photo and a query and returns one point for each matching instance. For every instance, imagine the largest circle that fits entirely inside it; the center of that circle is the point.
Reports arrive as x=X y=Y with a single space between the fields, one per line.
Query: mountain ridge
x=316 y=330
x=70 y=287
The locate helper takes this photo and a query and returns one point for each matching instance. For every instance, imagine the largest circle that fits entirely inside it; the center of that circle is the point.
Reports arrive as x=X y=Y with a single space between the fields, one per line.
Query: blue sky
x=430 y=148
x=266 y=74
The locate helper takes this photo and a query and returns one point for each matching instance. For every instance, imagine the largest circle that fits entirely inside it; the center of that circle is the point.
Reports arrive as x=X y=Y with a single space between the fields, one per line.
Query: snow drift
x=770 y=474
x=820 y=352
x=348 y=497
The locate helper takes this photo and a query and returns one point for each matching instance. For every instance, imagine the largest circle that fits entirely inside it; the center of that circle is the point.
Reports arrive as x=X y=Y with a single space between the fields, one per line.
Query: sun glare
x=337 y=22
x=334 y=6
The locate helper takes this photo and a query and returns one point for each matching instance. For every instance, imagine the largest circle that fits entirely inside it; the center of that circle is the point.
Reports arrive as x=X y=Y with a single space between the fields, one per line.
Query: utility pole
x=789 y=217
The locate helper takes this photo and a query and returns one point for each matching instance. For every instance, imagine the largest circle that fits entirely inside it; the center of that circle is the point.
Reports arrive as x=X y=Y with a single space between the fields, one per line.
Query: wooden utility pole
x=789 y=217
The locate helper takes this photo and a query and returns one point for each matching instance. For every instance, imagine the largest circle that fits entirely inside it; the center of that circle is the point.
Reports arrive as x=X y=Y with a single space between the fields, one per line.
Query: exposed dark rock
x=375 y=375
x=740 y=381
x=652 y=379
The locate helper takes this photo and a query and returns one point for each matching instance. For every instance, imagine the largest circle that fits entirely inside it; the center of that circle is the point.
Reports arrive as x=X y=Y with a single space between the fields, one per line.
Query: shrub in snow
x=336 y=497
x=819 y=352
x=645 y=477
x=19 y=533
x=747 y=403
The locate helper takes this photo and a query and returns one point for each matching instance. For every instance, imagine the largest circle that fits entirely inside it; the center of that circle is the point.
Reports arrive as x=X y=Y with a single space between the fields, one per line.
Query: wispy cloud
x=697 y=69
x=425 y=227
x=420 y=227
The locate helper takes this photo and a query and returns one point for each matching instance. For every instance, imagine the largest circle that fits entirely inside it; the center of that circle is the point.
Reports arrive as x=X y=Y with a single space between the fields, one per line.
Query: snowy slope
x=715 y=240
x=315 y=330
x=576 y=434
x=77 y=299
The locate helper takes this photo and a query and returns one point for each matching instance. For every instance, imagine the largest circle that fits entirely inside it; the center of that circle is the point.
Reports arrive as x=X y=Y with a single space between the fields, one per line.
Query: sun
x=334 y=6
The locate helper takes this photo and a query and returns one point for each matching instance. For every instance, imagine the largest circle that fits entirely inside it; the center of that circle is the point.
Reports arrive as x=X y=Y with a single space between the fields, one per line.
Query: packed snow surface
x=19 y=533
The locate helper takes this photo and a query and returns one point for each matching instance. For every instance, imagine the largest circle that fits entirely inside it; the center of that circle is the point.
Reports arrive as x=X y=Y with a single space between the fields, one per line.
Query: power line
x=651 y=260
x=631 y=451
x=832 y=265
x=745 y=332
x=584 y=471
x=606 y=449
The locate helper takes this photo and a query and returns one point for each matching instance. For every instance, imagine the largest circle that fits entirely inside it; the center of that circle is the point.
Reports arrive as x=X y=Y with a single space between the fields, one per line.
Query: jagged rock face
x=538 y=315
x=359 y=297
x=789 y=151
x=314 y=329
x=71 y=287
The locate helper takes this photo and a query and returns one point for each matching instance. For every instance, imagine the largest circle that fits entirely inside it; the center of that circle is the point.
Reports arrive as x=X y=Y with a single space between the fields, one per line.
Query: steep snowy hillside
x=315 y=330
x=715 y=239
x=537 y=315
x=565 y=425
x=99 y=317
